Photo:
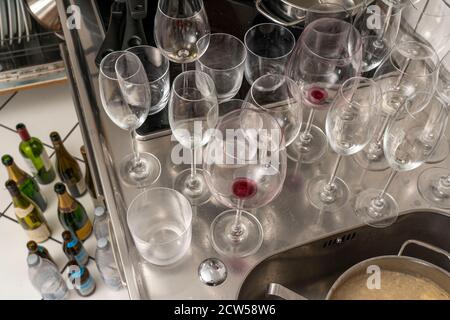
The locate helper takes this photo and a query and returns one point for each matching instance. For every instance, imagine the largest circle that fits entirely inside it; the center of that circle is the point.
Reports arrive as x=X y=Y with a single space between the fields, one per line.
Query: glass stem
x=385 y=26
x=388 y=183
x=308 y=127
x=336 y=167
x=380 y=136
x=237 y=230
x=184 y=67
x=193 y=163
x=137 y=159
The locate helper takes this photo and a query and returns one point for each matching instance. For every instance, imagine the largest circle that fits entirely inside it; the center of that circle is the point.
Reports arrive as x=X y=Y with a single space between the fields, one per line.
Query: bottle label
x=31 y=165
x=87 y=287
x=77 y=189
x=40 y=234
x=84 y=232
x=23 y=213
x=82 y=257
x=36 y=164
x=46 y=161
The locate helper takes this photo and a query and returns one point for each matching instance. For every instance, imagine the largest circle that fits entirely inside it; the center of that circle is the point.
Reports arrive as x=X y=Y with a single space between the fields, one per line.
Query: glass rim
x=280 y=28
x=371 y=82
x=179 y=195
x=336 y=5
x=120 y=78
x=352 y=29
x=279 y=76
x=199 y=60
x=190 y=72
x=166 y=71
x=104 y=61
x=422 y=45
x=202 y=9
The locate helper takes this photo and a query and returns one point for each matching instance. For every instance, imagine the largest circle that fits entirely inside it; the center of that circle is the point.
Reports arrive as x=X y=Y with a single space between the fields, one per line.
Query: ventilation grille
x=340 y=240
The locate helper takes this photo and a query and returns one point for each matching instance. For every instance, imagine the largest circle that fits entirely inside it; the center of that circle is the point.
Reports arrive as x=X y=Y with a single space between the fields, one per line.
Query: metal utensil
x=45 y=13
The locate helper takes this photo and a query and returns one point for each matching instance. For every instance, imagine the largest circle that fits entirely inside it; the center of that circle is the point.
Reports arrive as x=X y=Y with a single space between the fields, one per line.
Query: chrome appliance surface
x=45 y=13
x=288 y=222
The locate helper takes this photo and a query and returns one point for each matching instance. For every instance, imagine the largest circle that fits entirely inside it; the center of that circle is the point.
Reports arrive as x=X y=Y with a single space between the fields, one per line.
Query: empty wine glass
x=407 y=145
x=125 y=96
x=269 y=47
x=243 y=175
x=350 y=125
x=156 y=67
x=193 y=111
x=378 y=24
x=182 y=30
x=280 y=97
x=407 y=79
x=328 y=53
x=227 y=70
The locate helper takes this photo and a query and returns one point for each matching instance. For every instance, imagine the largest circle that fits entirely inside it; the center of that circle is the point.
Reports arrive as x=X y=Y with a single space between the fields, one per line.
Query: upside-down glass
x=378 y=24
x=280 y=97
x=409 y=140
x=160 y=221
x=328 y=53
x=182 y=30
x=156 y=66
x=269 y=47
x=407 y=79
x=243 y=175
x=193 y=111
x=224 y=62
x=350 y=125
x=125 y=97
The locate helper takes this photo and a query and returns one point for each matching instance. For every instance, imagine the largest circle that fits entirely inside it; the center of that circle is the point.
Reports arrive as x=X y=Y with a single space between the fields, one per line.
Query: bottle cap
x=102 y=243
x=23 y=132
x=66 y=235
x=60 y=188
x=32 y=245
x=54 y=136
x=7 y=160
x=99 y=211
x=33 y=259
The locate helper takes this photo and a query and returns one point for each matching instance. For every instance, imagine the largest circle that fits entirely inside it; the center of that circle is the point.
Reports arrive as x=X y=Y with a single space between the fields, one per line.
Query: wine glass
x=227 y=70
x=407 y=78
x=350 y=125
x=407 y=145
x=326 y=10
x=181 y=30
x=269 y=47
x=378 y=24
x=243 y=175
x=328 y=53
x=193 y=111
x=280 y=97
x=125 y=96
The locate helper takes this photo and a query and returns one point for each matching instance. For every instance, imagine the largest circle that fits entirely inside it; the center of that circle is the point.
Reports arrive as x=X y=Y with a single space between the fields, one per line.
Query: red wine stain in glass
x=244 y=188
x=317 y=96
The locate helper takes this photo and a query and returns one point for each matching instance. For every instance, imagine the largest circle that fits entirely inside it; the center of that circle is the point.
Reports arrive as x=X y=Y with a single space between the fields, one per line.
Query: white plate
x=4 y=21
x=20 y=23
x=12 y=15
x=25 y=18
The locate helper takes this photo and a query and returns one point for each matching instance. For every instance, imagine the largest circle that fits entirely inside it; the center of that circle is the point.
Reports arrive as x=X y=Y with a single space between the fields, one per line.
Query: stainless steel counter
x=288 y=221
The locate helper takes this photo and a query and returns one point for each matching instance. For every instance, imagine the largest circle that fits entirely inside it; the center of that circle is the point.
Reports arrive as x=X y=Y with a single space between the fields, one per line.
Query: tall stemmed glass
x=350 y=126
x=193 y=111
x=328 y=52
x=407 y=79
x=125 y=96
x=182 y=30
x=408 y=142
x=280 y=97
x=243 y=175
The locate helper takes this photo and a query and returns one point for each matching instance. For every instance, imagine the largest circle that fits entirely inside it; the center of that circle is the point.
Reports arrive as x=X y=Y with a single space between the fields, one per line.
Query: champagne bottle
x=34 y=153
x=72 y=214
x=74 y=250
x=68 y=169
x=27 y=185
x=28 y=214
x=34 y=248
x=89 y=182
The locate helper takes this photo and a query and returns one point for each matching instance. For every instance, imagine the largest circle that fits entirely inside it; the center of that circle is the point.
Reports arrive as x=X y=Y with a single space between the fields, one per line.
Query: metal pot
x=45 y=13
x=402 y=264
x=293 y=12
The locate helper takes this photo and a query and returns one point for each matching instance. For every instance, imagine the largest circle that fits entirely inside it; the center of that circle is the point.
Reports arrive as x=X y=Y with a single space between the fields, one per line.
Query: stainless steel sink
x=311 y=269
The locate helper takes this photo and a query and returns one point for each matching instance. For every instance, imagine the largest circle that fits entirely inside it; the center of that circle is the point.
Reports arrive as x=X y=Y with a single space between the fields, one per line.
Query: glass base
x=440 y=153
x=143 y=175
x=196 y=191
x=376 y=213
x=309 y=149
x=248 y=242
x=427 y=184
x=362 y=159
x=332 y=199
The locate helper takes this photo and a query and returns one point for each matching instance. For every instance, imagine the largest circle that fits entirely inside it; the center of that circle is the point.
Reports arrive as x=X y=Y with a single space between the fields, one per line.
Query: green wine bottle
x=72 y=214
x=68 y=168
x=28 y=214
x=27 y=185
x=34 y=153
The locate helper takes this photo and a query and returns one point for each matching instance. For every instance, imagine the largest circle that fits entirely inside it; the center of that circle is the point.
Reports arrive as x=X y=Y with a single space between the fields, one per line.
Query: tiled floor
x=42 y=110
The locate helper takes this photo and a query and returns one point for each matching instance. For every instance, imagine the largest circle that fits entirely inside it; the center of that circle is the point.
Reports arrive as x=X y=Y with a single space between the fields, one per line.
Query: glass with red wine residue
x=245 y=168
x=328 y=53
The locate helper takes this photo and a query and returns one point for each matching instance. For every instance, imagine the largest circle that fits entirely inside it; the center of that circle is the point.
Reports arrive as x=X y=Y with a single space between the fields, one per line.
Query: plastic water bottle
x=101 y=221
x=46 y=278
x=104 y=258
